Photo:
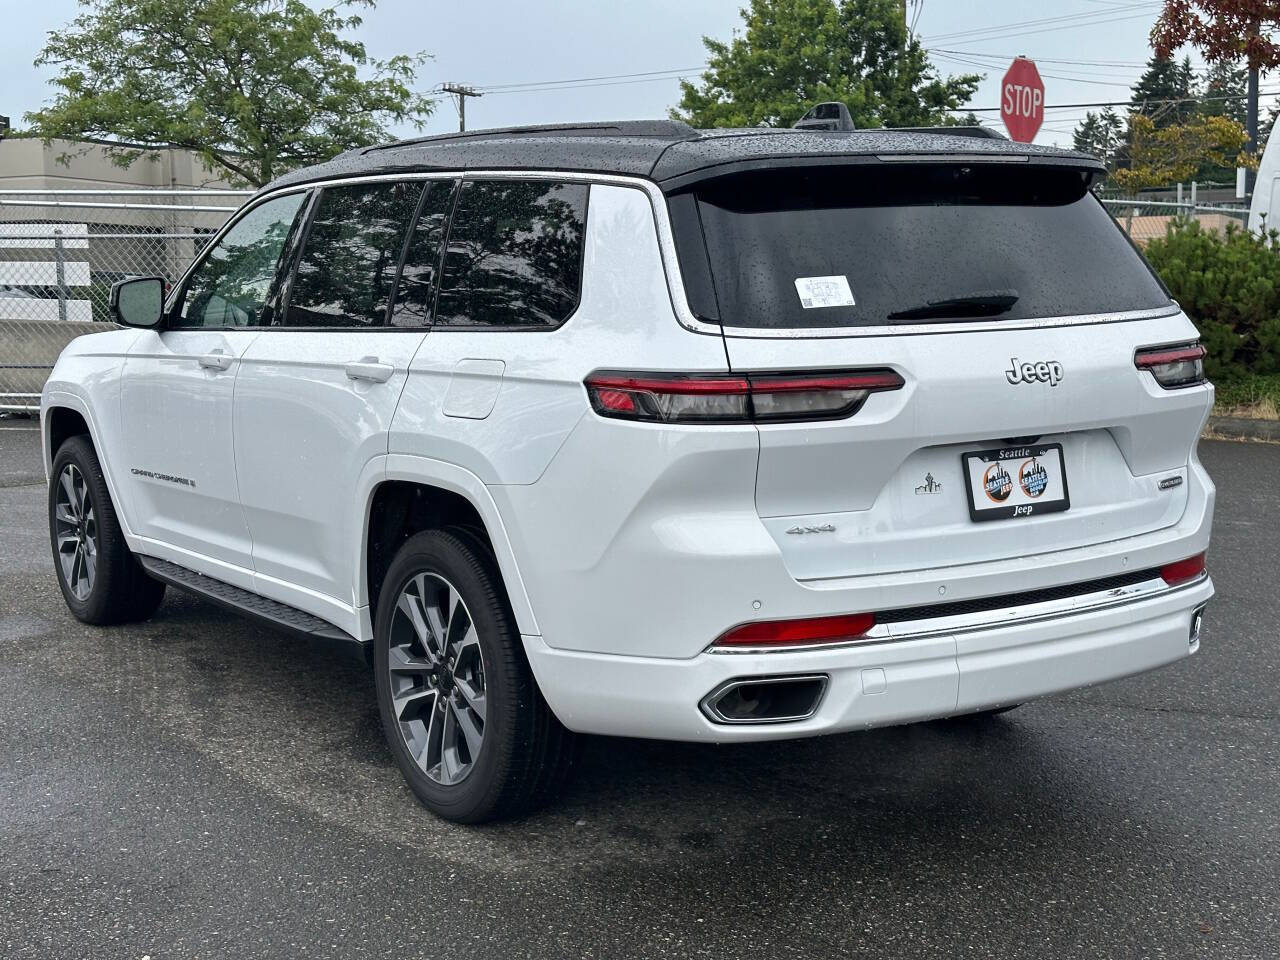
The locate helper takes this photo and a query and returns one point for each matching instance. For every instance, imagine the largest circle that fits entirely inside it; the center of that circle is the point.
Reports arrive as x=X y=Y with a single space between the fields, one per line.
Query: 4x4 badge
x=800 y=531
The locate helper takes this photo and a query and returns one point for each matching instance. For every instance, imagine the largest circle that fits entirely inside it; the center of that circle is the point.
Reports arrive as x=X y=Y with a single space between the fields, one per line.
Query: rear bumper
x=874 y=684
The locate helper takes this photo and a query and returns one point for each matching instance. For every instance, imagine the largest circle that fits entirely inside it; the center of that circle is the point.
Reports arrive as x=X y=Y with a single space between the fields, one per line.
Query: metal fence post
x=1193 y=198
x=60 y=261
x=1179 y=195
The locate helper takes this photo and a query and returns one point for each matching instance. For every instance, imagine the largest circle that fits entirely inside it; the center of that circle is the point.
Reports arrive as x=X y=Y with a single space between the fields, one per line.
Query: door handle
x=370 y=369
x=216 y=360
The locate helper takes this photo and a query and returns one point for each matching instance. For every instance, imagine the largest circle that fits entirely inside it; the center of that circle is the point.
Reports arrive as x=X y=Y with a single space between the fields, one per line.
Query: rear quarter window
x=1015 y=244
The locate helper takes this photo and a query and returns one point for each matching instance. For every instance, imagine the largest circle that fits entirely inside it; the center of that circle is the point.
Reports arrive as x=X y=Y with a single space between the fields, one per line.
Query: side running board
x=271 y=612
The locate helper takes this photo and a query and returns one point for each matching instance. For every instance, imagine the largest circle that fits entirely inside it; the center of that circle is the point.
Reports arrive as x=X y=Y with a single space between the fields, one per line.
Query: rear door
x=1011 y=306
x=317 y=391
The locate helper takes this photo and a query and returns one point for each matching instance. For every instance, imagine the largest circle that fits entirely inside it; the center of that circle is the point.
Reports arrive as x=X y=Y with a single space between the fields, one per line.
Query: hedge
x=1229 y=284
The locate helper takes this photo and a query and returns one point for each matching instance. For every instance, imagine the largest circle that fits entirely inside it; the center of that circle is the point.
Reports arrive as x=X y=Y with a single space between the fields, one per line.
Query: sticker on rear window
x=824 y=292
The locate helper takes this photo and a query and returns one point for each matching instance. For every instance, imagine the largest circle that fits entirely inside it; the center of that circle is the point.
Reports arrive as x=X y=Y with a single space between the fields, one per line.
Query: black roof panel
x=666 y=151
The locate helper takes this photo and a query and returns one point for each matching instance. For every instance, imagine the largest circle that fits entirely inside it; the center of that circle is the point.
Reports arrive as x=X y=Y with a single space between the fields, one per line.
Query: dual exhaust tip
x=787 y=699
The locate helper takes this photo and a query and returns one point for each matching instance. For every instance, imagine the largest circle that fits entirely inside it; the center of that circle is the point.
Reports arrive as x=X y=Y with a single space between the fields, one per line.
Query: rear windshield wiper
x=983 y=303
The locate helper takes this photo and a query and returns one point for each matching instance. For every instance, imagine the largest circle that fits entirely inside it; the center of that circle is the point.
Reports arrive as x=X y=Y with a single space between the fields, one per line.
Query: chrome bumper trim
x=928 y=627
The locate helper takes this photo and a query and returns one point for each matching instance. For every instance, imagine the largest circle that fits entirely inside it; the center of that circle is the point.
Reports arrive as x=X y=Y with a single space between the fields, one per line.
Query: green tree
x=1166 y=91
x=1101 y=134
x=1224 y=91
x=254 y=86
x=795 y=53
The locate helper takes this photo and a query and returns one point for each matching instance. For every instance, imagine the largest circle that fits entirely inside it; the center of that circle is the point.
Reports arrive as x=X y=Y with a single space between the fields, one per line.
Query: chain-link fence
x=61 y=250
x=1147 y=220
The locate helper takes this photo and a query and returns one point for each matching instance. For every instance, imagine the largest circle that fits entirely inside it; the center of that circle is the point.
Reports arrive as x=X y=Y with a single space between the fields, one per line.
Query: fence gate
x=60 y=251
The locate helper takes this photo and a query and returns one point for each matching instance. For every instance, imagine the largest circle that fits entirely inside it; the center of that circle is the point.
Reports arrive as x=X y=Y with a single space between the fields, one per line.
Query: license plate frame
x=1020 y=502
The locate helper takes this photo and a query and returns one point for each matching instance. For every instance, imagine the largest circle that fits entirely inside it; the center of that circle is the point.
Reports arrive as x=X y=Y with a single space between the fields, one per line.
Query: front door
x=176 y=396
x=316 y=392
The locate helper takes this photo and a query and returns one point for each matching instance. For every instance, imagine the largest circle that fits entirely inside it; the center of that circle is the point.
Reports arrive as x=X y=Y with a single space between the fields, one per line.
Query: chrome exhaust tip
x=1197 y=621
x=788 y=699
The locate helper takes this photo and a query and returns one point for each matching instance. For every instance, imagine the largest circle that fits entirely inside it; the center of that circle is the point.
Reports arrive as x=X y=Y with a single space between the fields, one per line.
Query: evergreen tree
x=1225 y=80
x=1101 y=134
x=1165 y=92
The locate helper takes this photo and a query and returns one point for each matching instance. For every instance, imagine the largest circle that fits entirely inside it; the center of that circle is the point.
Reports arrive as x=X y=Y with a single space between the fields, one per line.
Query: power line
x=1044 y=24
x=538 y=88
x=1052 y=76
x=1122 y=103
x=498 y=87
x=1066 y=26
x=1010 y=56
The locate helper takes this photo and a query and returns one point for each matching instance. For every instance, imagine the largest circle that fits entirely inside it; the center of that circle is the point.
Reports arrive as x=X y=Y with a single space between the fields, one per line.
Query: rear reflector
x=744 y=398
x=1182 y=571
x=790 y=633
x=1173 y=367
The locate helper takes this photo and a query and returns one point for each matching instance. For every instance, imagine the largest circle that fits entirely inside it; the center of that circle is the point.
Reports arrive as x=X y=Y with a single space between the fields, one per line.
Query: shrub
x=1229 y=284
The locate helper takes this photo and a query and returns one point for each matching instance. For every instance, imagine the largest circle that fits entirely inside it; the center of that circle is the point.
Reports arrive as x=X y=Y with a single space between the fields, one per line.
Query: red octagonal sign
x=1022 y=100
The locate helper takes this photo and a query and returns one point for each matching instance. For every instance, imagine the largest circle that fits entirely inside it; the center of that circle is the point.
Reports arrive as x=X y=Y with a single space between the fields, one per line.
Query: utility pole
x=1251 y=116
x=462 y=91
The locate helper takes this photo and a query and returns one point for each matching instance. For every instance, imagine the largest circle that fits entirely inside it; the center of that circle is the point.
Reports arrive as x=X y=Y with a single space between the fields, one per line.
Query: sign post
x=1022 y=100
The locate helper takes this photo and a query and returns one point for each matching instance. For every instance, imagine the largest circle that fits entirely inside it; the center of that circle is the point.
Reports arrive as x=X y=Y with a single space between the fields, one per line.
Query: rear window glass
x=867 y=246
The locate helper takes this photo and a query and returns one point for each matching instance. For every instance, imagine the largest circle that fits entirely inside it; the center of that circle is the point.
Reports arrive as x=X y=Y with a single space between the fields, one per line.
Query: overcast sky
x=1087 y=51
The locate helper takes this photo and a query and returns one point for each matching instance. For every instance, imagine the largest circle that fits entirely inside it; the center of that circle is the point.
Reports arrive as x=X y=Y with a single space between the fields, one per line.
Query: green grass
x=1255 y=395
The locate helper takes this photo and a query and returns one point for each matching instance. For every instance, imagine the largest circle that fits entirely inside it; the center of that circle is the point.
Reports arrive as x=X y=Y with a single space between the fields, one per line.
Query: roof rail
x=975 y=133
x=656 y=129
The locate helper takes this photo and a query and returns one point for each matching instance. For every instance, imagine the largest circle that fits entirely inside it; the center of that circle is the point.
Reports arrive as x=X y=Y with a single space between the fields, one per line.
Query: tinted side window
x=514 y=256
x=232 y=285
x=349 y=259
x=421 y=271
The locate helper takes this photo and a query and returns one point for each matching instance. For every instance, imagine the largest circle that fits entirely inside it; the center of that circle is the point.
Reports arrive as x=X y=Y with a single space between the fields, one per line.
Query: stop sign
x=1022 y=100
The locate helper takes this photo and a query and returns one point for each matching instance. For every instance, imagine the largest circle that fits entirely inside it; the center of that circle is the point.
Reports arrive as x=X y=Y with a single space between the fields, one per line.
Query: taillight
x=735 y=398
x=1173 y=367
x=791 y=633
x=1182 y=570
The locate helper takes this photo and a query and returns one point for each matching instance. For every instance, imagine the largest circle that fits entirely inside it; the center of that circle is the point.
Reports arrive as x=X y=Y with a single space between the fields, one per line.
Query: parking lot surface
x=197 y=786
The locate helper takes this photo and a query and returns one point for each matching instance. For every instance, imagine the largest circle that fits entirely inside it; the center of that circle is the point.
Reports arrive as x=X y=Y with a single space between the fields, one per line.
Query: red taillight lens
x=747 y=398
x=790 y=633
x=1183 y=570
x=1173 y=367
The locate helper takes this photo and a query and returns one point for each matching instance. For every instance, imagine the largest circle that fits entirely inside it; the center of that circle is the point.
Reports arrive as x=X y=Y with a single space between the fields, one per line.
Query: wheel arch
x=417 y=494
x=60 y=424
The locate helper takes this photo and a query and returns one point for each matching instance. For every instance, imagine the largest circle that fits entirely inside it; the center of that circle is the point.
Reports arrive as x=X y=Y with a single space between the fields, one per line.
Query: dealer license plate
x=1016 y=482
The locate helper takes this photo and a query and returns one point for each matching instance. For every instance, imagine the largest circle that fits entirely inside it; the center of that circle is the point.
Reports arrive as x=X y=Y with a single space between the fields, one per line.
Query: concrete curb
x=1241 y=429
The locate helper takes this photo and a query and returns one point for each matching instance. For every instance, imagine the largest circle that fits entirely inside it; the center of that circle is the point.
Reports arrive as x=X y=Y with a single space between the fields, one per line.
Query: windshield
x=872 y=246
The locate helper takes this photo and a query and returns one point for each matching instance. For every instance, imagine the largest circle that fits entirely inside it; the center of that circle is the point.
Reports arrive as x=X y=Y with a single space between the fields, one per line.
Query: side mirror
x=138 y=302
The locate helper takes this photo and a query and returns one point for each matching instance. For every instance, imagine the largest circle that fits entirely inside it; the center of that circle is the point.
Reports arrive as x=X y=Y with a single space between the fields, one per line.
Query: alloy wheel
x=76 y=530
x=437 y=678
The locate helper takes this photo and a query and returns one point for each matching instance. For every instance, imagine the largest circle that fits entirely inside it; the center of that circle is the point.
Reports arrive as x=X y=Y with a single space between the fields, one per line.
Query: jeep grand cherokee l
x=641 y=430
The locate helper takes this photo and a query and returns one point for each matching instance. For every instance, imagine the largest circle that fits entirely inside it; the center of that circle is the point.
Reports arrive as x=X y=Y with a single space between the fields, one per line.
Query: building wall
x=29 y=164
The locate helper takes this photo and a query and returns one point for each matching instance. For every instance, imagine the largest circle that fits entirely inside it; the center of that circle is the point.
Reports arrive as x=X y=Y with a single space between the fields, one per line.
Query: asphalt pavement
x=199 y=787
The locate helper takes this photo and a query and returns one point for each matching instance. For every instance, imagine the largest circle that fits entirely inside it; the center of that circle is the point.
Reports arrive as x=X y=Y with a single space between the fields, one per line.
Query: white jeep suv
x=641 y=430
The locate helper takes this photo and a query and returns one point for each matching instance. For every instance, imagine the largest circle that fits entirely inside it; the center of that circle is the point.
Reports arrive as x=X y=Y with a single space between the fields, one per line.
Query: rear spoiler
x=1090 y=167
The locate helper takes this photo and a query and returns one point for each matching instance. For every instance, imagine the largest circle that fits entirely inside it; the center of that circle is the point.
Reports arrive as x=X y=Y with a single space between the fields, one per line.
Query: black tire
x=525 y=754
x=119 y=590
